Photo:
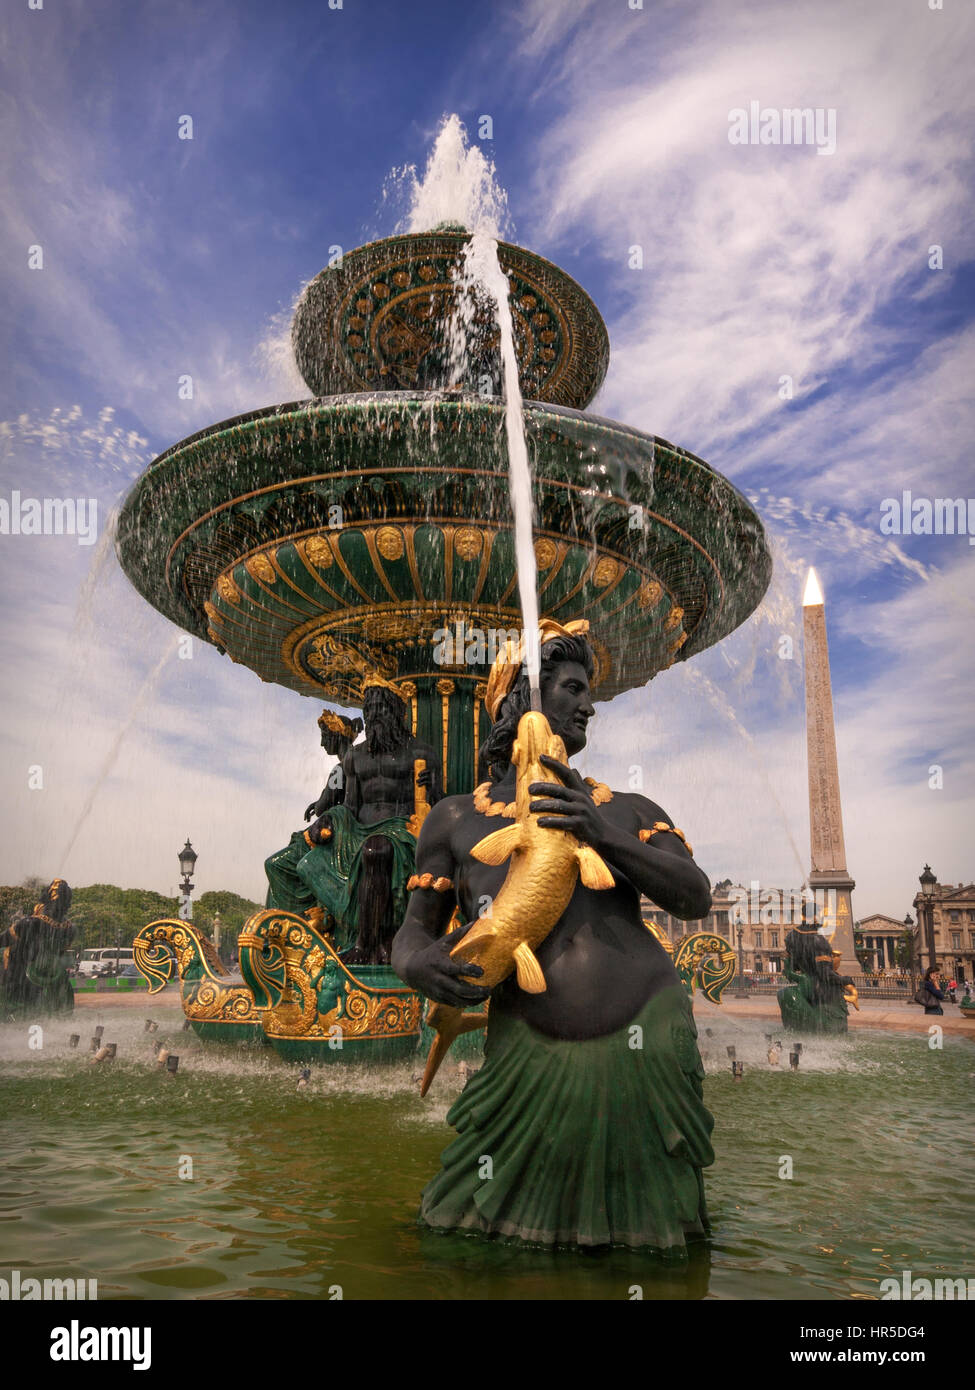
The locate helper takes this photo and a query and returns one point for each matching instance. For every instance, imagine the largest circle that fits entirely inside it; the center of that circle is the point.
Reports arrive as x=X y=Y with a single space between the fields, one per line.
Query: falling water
x=146 y=690
x=483 y=267
x=459 y=186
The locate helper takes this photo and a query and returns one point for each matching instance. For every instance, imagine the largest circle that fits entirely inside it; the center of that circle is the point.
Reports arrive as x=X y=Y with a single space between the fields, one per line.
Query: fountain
x=360 y=543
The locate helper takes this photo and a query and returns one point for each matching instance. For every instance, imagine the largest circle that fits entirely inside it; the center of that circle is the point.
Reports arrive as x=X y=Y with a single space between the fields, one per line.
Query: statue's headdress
x=507 y=667
x=335 y=724
x=375 y=679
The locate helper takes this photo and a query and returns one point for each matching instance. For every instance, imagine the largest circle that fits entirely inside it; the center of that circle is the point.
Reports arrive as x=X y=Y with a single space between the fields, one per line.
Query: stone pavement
x=874 y=1013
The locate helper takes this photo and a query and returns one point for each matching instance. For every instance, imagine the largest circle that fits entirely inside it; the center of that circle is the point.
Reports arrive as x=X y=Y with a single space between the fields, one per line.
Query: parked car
x=101 y=960
x=132 y=972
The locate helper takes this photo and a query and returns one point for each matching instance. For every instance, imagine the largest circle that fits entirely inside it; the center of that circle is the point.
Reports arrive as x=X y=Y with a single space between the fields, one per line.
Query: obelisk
x=829 y=878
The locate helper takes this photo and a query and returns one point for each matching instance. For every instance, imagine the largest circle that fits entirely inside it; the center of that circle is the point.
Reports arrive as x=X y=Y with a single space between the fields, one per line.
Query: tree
x=904 y=952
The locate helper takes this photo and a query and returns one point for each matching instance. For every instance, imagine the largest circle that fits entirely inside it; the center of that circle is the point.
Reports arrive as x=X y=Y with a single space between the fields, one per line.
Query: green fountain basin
x=316 y=541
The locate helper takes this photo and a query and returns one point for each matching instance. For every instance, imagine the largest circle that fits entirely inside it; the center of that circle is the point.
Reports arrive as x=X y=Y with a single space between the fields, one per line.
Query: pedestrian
x=929 y=994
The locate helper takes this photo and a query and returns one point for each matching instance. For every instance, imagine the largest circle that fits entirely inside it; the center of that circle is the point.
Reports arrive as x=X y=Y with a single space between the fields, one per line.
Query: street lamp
x=909 y=933
x=742 y=992
x=187 y=859
x=928 y=880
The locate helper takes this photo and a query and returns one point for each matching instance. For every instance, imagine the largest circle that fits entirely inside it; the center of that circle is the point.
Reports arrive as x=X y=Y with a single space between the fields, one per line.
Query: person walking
x=933 y=996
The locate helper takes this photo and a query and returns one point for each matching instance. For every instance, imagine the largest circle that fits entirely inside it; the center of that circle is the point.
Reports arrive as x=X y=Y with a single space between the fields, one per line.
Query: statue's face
x=372 y=705
x=331 y=741
x=567 y=705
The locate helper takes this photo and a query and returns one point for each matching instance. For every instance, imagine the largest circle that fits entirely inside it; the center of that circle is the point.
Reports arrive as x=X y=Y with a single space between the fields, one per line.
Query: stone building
x=882 y=937
x=765 y=918
x=954 y=930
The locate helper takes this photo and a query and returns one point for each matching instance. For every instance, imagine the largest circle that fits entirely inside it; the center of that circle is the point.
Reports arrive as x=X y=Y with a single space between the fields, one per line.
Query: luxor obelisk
x=828 y=878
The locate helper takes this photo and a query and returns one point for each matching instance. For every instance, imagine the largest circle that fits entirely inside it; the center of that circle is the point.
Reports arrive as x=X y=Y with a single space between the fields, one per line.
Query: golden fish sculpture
x=545 y=863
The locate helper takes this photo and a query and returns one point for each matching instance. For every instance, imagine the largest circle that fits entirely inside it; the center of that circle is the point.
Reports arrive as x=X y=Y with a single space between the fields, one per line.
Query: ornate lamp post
x=741 y=992
x=187 y=859
x=928 y=880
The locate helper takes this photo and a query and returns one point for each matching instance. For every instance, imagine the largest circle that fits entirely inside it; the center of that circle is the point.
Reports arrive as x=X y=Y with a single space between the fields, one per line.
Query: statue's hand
x=434 y=974
x=424 y=778
x=311 y=810
x=571 y=802
x=317 y=828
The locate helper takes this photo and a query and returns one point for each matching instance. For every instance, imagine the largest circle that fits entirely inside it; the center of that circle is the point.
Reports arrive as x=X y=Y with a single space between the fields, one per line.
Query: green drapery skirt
x=589 y=1143
x=328 y=875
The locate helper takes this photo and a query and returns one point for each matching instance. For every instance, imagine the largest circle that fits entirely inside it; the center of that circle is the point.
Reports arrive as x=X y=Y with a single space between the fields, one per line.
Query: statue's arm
x=658 y=866
x=661 y=865
x=432 y=775
x=421 y=952
x=353 y=792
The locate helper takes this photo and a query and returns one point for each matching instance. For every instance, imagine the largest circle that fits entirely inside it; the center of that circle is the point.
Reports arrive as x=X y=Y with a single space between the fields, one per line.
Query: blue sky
x=163 y=257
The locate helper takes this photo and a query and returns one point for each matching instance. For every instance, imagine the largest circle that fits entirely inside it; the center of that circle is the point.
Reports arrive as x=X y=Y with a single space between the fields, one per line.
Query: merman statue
x=359 y=855
x=816 y=999
x=32 y=971
x=589 y=1103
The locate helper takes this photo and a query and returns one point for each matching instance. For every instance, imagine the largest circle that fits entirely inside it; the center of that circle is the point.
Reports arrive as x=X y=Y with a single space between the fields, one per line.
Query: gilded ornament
x=260 y=567
x=468 y=543
x=650 y=594
x=600 y=792
x=605 y=572
x=390 y=543
x=674 y=618
x=227 y=589
x=660 y=827
x=546 y=553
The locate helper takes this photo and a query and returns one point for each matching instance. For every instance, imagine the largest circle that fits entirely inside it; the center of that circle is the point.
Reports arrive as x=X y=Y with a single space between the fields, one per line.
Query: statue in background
x=816 y=998
x=33 y=976
x=352 y=864
x=338 y=736
x=286 y=890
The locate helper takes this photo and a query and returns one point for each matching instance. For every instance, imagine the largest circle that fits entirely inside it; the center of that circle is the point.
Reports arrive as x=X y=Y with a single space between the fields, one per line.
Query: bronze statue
x=353 y=862
x=33 y=976
x=368 y=843
x=586 y=1124
x=816 y=998
x=338 y=736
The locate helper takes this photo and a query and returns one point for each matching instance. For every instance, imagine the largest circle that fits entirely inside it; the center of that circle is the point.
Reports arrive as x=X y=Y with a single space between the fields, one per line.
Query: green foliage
x=234 y=912
x=904 y=951
x=102 y=912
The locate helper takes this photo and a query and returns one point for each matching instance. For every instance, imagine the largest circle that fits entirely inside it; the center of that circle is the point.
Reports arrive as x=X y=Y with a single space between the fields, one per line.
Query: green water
x=294 y=1193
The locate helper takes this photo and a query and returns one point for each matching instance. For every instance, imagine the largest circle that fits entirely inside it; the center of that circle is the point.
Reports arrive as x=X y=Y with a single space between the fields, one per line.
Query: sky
x=803 y=317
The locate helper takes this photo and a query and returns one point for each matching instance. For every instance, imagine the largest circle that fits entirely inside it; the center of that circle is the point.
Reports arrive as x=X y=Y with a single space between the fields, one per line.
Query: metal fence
x=868 y=986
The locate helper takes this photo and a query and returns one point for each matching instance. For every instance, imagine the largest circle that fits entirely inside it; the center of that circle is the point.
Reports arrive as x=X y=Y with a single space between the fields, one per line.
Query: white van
x=99 y=958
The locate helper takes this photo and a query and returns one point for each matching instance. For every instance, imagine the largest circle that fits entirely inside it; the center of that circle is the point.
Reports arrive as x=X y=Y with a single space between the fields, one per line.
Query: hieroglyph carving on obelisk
x=829 y=877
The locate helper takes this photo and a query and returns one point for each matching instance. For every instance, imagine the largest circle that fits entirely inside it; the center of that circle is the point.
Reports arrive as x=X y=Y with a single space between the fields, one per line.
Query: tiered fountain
x=322 y=541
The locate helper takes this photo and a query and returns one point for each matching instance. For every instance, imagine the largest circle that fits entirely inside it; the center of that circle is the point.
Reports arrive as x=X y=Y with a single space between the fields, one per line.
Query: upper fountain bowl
x=380 y=319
